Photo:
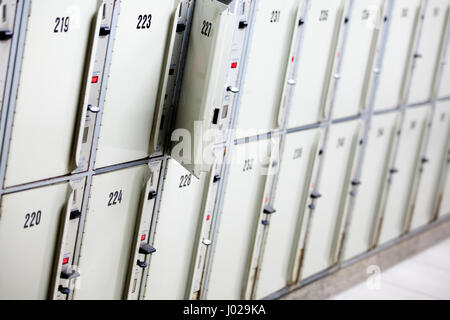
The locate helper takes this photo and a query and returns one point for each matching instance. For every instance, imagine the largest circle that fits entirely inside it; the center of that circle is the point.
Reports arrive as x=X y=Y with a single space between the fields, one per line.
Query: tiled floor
x=423 y=276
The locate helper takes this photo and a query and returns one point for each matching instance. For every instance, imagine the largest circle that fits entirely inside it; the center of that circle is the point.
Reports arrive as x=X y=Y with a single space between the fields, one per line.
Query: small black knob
x=63 y=290
x=145 y=248
x=269 y=210
x=243 y=24
x=151 y=195
x=75 y=214
x=142 y=264
x=181 y=27
x=104 y=31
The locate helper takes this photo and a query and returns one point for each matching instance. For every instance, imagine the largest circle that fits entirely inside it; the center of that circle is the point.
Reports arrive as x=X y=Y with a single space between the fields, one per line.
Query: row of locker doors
x=120 y=210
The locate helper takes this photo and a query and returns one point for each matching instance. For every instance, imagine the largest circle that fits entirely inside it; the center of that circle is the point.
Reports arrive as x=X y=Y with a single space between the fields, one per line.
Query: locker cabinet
x=175 y=236
x=407 y=155
x=204 y=84
x=436 y=154
x=325 y=228
x=430 y=43
x=375 y=169
x=268 y=58
x=323 y=21
x=281 y=248
x=238 y=220
x=139 y=69
x=444 y=86
x=7 y=23
x=357 y=60
x=29 y=227
x=444 y=208
x=398 y=54
x=48 y=97
x=108 y=239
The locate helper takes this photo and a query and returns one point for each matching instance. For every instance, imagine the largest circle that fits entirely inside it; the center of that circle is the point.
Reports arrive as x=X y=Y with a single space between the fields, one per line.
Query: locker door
x=444 y=88
x=266 y=66
x=398 y=52
x=375 y=169
x=428 y=52
x=299 y=156
x=109 y=233
x=406 y=159
x=175 y=234
x=29 y=227
x=323 y=21
x=238 y=223
x=7 y=23
x=436 y=153
x=324 y=229
x=137 y=74
x=356 y=68
x=51 y=78
x=445 y=205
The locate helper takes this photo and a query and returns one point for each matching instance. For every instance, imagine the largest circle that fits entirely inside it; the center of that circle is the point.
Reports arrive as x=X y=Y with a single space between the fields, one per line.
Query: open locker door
x=108 y=236
x=269 y=57
x=394 y=211
x=49 y=85
x=324 y=231
x=357 y=62
x=29 y=228
x=430 y=44
x=436 y=154
x=374 y=172
x=298 y=159
x=137 y=80
x=238 y=220
x=200 y=115
x=398 y=54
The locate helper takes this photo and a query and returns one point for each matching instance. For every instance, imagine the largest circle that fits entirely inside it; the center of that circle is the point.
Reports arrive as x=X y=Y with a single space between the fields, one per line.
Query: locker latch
x=265 y=222
x=63 y=290
x=301 y=22
x=216 y=178
x=5 y=35
x=243 y=24
x=181 y=27
x=151 y=195
x=93 y=109
x=425 y=160
x=75 y=214
x=104 y=31
x=145 y=248
x=315 y=195
x=269 y=210
x=393 y=171
x=232 y=89
x=141 y=264
x=356 y=182
x=69 y=275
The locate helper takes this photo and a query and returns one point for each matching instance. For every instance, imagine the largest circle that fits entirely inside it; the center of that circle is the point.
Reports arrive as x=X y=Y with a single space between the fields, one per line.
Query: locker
x=357 y=60
x=407 y=156
x=435 y=155
x=431 y=41
x=138 y=75
x=207 y=83
x=297 y=162
x=7 y=23
x=323 y=21
x=175 y=233
x=398 y=54
x=375 y=169
x=444 y=86
x=29 y=228
x=444 y=208
x=51 y=78
x=110 y=224
x=325 y=228
x=268 y=58
x=238 y=220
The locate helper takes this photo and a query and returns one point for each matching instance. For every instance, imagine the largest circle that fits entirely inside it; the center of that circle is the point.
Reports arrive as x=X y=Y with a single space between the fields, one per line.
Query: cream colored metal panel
x=323 y=22
x=360 y=46
x=137 y=66
x=375 y=170
x=424 y=73
x=398 y=52
x=29 y=225
x=238 y=220
x=176 y=230
x=299 y=155
x=335 y=176
x=407 y=156
x=436 y=153
x=266 y=65
x=51 y=78
x=445 y=205
x=108 y=233
x=204 y=81
x=444 y=87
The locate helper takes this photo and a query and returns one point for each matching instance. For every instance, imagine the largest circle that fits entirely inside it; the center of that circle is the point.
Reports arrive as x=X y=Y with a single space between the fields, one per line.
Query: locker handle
x=151 y=195
x=356 y=182
x=265 y=222
x=63 y=290
x=425 y=160
x=104 y=31
x=232 y=89
x=181 y=27
x=243 y=24
x=142 y=264
x=315 y=195
x=75 y=214
x=269 y=210
x=216 y=178
x=393 y=171
x=69 y=275
x=5 y=35
x=145 y=248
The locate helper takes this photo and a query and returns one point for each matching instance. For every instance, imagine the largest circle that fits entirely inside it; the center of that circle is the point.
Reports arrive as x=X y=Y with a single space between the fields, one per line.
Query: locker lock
x=417 y=55
x=69 y=275
x=356 y=182
x=265 y=222
x=145 y=248
x=93 y=109
x=104 y=31
x=75 y=214
x=315 y=195
x=301 y=22
x=63 y=290
x=151 y=195
x=216 y=178
x=393 y=171
x=5 y=35
x=243 y=24
x=425 y=160
x=181 y=27
x=141 y=264
x=269 y=210
x=232 y=89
